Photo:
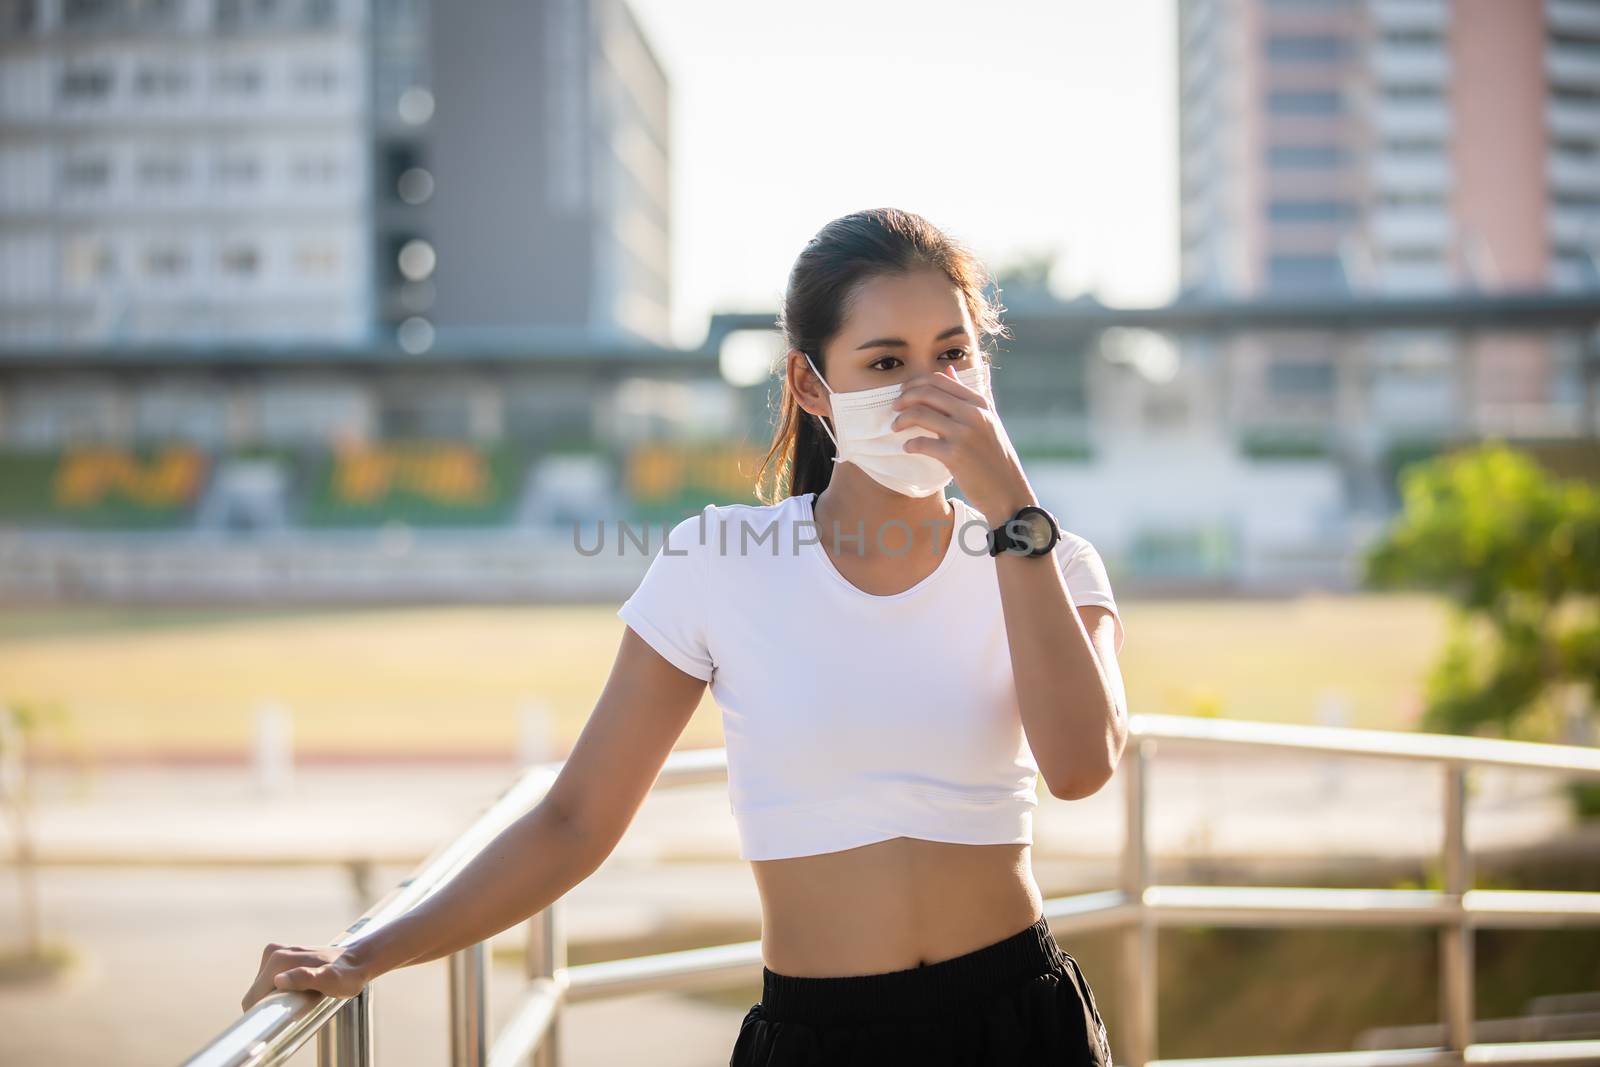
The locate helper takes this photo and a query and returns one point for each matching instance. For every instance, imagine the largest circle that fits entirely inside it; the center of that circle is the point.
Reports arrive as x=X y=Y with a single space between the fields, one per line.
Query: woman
x=896 y=670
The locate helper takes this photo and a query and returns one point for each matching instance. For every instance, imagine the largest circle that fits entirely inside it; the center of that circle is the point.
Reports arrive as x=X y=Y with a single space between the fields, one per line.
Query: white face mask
x=865 y=438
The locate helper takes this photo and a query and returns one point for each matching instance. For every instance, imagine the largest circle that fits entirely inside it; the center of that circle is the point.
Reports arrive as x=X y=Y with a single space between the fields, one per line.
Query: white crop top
x=848 y=717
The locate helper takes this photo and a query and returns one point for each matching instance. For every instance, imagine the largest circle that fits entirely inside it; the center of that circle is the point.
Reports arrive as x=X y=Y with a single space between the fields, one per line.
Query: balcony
x=1412 y=173
x=1575 y=227
x=1571 y=173
x=1411 y=15
x=1573 y=16
x=1410 y=65
x=1410 y=227
x=1573 y=121
x=1576 y=67
x=1401 y=120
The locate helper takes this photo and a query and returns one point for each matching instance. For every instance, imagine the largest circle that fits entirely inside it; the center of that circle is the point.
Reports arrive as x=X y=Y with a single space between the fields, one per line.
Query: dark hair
x=822 y=283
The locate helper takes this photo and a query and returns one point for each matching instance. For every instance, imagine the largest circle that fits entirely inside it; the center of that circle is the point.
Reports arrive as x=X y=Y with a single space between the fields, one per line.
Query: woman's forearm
x=530 y=864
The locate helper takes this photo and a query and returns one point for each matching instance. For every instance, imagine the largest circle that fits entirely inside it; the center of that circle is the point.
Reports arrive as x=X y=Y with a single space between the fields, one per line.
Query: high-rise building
x=351 y=172
x=1395 y=146
x=550 y=153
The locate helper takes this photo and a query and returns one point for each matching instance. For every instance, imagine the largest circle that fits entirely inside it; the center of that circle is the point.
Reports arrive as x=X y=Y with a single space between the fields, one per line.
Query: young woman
x=895 y=669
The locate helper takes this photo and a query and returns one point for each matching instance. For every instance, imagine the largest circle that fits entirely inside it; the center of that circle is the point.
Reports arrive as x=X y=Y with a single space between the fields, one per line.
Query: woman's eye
x=891 y=362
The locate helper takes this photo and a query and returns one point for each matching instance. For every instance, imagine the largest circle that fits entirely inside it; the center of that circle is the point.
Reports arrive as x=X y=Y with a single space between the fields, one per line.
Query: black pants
x=1021 y=1000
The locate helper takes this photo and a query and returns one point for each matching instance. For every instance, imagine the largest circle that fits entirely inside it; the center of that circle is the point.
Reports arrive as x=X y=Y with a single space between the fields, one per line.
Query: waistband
x=916 y=991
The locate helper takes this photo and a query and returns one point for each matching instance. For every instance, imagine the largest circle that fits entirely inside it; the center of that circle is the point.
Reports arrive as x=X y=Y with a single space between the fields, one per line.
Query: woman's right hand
x=333 y=970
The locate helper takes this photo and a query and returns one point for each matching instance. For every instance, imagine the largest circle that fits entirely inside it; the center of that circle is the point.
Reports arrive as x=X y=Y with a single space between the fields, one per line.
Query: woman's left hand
x=971 y=441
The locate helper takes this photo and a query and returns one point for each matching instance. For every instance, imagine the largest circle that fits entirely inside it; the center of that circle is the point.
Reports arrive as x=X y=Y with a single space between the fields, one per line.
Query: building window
x=88 y=12
x=238 y=170
x=1413 y=198
x=240 y=260
x=1569 y=94
x=239 y=81
x=1296 y=156
x=160 y=81
x=322 y=80
x=237 y=14
x=1414 y=93
x=1304 y=102
x=1578 y=259
x=86 y=172
x=19 y=16
x=1287 y=272
x=1300 y=378
x=163 y=171
x=1412 y=38
x=1310 y=210
x=1415 y=255
x=86 y=83
x=1303 y=47
x=165 y=261
x=318 y=170
x=87 y=260
x=119 y=13
x=1588 y=47
x=316 y=260
x=1413 y=146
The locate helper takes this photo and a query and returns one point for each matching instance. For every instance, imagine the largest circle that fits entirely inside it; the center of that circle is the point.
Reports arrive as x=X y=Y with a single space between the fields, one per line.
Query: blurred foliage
x=1517 y=553
x=1027 y=272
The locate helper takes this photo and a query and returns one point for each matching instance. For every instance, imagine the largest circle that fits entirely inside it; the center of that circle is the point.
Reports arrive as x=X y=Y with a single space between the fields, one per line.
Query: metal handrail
x=279 y=1024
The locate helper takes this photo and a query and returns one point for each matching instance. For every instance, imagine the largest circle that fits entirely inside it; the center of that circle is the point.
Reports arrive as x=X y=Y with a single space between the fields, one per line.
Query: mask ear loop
x=986 y=378
x=820 y=418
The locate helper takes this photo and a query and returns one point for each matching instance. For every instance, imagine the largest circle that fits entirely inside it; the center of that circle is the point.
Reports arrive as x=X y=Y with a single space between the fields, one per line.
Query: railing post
x=1455 y=936
x=1137 y=972
x=469 y=1024
x=346 y=1039
x=547 y=953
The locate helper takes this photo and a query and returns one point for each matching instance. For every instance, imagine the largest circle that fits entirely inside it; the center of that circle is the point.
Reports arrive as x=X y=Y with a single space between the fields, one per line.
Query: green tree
x=1026 y=272
x=1517 y=553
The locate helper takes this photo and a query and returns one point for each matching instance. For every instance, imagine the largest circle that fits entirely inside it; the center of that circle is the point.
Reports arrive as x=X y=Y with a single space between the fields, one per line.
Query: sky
x=1018 y=126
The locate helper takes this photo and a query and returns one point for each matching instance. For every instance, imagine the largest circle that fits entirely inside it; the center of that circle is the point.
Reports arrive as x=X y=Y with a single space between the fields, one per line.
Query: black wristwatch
x=1037 y=526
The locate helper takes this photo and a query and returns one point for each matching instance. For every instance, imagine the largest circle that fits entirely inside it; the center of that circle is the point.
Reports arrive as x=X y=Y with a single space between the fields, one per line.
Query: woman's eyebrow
x=883 y=341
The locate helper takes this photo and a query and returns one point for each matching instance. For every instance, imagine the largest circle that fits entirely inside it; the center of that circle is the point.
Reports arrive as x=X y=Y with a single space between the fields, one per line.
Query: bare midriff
x=891 y=905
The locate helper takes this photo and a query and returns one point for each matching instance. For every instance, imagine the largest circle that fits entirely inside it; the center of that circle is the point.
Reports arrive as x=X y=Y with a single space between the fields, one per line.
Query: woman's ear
x=806 y=386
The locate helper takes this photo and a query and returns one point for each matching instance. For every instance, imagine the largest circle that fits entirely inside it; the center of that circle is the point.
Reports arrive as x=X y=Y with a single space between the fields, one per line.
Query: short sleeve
x=668 y=609
x=1087 y=580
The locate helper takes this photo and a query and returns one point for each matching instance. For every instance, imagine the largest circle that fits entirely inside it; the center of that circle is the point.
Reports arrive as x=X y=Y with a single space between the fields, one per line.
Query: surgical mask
x=865 y=438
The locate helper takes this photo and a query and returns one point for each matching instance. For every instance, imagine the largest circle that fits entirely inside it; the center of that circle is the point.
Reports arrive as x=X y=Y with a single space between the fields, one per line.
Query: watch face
x=1038 y=530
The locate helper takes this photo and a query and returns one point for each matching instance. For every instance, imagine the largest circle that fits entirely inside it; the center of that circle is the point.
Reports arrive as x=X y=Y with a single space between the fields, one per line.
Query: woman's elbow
x=1085 y=781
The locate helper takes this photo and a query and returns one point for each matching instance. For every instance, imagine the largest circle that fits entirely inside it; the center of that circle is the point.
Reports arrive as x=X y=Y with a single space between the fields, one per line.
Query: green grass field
x=448 y=680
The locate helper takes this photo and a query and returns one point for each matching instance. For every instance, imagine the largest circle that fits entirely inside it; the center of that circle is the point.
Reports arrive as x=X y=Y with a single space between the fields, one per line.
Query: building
x=551 y=154
x=1349 y=152
x=1389 y=146
x=344 y=172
